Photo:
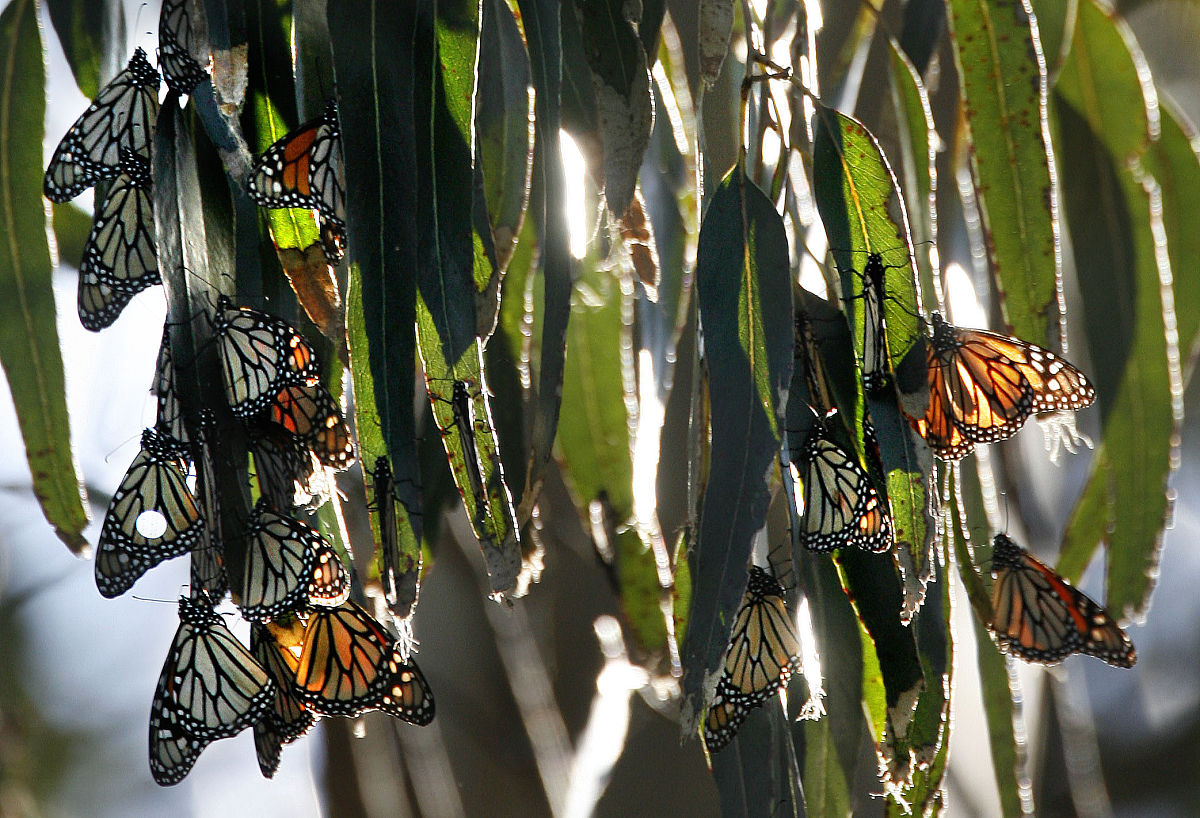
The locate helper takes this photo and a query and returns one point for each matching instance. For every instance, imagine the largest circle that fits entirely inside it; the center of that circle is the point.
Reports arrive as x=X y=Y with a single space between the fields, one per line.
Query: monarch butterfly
x=178 y=38
x=260 y=355
x=119 y=258
x=287 y=565
x=464 y=423
x=121 y=116
x=276 y=647
x=152 y=497
x=285 y=469
x=984 y=386
x=841 y=507
x=350 y=664
x=304 y=169
x=1038 y=616
x=169 y=420
x=210 y=688
x=875 y=344
x=311 y=417
x=763 y=653
x=384 y=488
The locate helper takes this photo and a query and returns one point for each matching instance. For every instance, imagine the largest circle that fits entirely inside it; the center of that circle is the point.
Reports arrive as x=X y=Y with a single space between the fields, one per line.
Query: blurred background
x=539 y=710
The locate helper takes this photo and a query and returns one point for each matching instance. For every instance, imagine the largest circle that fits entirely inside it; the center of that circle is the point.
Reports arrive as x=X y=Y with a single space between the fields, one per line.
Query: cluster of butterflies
x=111 y=140
x=983 y=387
x=313 y=652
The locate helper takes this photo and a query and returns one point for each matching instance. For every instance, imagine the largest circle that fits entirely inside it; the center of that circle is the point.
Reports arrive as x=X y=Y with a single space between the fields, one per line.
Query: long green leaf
x=1002 y=82
x=29 y=347
x=622 y=87
x=1103 y=122
x=84 y=29
x=541 y=19
x=374 y=62
x=743 y=282
x=502 y=126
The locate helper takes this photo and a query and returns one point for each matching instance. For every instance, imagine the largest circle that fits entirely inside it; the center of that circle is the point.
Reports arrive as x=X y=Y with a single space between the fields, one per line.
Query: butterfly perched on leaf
x=288 y=566
x=841 y=506
x=1040 y=617
x=277 y=647
x=984 y=386
x=152 y=517
x=210 y=688
x=260 y=355
x=304 y=169
x=763 y=653
x=121 y=117
x=351 y=664
x=180 y=37
x=120 y=258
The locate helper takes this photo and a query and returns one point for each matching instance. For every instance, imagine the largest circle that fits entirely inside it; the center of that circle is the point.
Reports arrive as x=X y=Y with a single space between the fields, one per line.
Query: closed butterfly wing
x=309 y=415
x=763 y=653
x=276 y=647
x=99 y=303
x=152 y=517
x=169 y=422
x=841 y=506
x=210 y=688
x=260 y=355
x=180 y=38
x=350 y=664
x=1040 y=617
x=121 y=116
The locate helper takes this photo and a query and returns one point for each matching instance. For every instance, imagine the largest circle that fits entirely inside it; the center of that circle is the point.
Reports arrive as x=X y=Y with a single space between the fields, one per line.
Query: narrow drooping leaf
x=270 y=116
x=71 y=230
x=502 y=126
x=1003 y=88
x=863 y=213
x=1174 y=163
x=29 y=346
x=624 y=107
x=1116 y=230
x=716 y=26
x=744 y=288
x=919 y=142
x=379 y=145
x=541 y=21
x=84 y=29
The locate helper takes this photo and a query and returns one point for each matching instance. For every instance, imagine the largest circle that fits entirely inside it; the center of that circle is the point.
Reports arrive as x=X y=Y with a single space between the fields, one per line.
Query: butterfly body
x=1040 y=617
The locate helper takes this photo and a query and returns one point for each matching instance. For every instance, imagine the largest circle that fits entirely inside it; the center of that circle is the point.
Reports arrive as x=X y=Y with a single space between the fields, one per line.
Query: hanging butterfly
x=287 y=566
x=260 y=355
x=304 y=169
x=169 y=421
x=984 y=386
x=119 y=258
x=1038 y=616
x=276 y=646
x=179 y=38
x=208 y=555
x=350 y=664
x=383 y=487
x=152 y=517
x=309 y=415
x=841 y=506
x=763 y=653
x=210 y=688
x=284 y=468
x=121 y=116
